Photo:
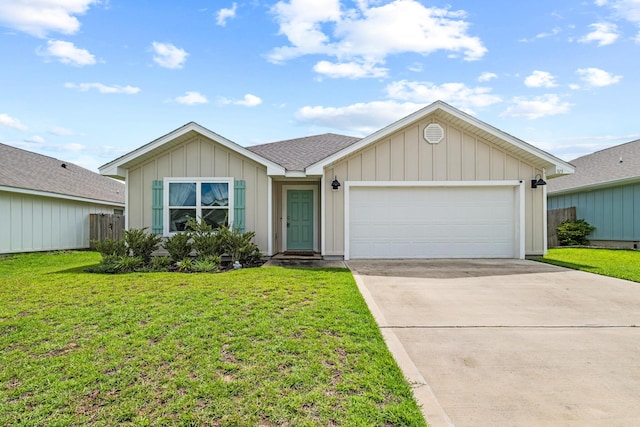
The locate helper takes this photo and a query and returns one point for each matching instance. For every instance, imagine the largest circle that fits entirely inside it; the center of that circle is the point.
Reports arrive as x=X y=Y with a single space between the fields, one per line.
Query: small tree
x=238 y=245
x=141 y=244
x=179 y=246
x=206 y=240
x=110 y=248
x=574 y=232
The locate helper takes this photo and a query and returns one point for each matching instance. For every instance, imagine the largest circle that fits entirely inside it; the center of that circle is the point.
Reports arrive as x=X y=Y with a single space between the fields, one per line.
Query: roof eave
x=594 y=186
x=42 y=193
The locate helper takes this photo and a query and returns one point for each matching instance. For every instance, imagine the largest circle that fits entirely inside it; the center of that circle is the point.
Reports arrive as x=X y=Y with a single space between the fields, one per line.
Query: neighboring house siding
x=614 y=211
x=200 y=157
x=37 y=223
x=406 y=156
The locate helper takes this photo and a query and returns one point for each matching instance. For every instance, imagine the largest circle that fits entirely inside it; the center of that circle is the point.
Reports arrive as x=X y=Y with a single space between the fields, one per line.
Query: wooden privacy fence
x=554 y=218
x=105 y=226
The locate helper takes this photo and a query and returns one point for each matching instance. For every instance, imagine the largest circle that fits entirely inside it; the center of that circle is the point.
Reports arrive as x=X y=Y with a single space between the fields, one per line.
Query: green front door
x=299 y=220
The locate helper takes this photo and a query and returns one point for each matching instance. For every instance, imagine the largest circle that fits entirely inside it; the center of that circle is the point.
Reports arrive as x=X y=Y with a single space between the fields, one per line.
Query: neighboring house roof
x=22 y=170
x=615 y=165
x=297 y=154
x=119 y=166
x=552 y=165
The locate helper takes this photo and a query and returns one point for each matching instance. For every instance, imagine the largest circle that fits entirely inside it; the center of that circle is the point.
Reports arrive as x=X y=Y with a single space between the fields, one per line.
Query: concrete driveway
x=509 y=342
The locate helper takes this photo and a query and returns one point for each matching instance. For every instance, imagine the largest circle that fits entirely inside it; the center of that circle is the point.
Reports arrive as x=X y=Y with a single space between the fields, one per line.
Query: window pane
x=178 y=219
x=215 y=194
x=182 y=194
x=215 y=217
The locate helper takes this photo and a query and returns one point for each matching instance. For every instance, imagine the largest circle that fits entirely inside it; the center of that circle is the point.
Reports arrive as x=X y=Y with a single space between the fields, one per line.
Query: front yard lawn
x=254 y=347
x=623 y=264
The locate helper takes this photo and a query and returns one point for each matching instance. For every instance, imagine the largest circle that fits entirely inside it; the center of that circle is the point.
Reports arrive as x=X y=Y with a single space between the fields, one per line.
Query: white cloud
x=457 y=94
x=168 y=56
x=352 y=70
x=74 y=147
x=360 y=118
x=192 y=98
x=603 y=32
x=67 y=53
x=540 y=79
x=249 y=100
x=597 y=77
x=60 y=131
x=624 y=9
x=486 y=76
x=10 y=122
x=368 y=34
x=40 y=17
x=84 y=87
x=35 y=139
x=536 y=107
x=224 y=14
x=554 y=32
x=416 y=67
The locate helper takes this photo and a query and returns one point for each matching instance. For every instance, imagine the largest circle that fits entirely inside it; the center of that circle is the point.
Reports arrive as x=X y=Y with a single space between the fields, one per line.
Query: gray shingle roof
x=621 y=162
x=24 y=169
x=297 y=154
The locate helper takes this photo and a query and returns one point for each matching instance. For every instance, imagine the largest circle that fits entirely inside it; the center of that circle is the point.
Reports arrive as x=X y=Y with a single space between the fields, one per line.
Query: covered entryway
x=434 y=220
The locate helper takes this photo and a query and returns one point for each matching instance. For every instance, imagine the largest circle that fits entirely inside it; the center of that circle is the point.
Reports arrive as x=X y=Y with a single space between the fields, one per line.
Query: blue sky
x=88 y=80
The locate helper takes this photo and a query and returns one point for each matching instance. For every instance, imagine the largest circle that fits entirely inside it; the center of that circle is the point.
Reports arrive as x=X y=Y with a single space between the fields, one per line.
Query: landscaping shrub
x=141 y=244
x=185 y=265
x=160 y=263
x=205 y=240
x=238 y=245
x=110 y=248
x=127 y=264
x=574 y=232
x=179 y=246
x=208 y=264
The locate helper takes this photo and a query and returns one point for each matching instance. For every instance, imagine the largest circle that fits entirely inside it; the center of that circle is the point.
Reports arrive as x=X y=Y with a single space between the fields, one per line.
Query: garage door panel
x=432 y=222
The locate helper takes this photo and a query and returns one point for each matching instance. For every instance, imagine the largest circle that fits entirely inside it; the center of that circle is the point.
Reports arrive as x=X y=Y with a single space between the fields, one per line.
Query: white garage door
x=433 y=222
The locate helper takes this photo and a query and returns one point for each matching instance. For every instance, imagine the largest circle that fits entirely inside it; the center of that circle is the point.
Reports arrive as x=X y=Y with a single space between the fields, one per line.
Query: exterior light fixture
x=335 y=184
x=537 y=181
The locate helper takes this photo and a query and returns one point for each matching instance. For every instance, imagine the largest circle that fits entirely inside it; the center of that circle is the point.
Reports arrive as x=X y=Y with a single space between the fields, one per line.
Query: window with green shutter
x=217 y=201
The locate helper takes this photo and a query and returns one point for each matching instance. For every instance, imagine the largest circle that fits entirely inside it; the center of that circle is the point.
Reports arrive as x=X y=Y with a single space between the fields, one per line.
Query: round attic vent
x=433 y=133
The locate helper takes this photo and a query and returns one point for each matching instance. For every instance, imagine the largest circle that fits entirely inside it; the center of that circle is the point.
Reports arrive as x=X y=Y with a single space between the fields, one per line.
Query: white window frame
x=198 y=181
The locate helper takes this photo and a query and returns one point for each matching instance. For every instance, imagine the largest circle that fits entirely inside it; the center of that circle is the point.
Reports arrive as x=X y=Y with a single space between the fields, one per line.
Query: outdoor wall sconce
x=335 y=184
x=535 y=182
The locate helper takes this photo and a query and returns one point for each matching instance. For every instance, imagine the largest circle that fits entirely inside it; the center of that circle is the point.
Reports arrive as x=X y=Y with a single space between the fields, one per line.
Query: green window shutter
x=238 y=205
x=156 y=207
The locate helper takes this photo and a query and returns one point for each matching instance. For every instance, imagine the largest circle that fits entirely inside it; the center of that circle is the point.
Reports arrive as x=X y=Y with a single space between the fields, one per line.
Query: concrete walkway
x=509 y=342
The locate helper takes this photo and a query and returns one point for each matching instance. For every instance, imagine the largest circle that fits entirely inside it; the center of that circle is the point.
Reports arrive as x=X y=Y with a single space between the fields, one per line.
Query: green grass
x=266 y=346
x=623 y=264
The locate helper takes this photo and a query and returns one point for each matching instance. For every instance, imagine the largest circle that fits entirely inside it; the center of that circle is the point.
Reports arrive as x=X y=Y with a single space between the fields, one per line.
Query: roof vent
x=433 y=133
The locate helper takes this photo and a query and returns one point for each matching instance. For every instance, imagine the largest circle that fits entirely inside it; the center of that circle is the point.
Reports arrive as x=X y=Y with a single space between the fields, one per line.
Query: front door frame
x=285 y=188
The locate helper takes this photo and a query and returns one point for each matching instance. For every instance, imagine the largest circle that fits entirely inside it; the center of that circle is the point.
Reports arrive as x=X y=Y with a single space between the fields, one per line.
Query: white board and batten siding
x=38 y=223
x=434 y=220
